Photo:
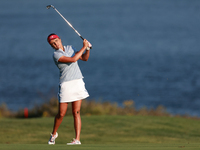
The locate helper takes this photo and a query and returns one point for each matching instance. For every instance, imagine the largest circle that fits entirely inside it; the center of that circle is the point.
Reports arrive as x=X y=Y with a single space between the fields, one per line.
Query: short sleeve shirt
x=68 y=71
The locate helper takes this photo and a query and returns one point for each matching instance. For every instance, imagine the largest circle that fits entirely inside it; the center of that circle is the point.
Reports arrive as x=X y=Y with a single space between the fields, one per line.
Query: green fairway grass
x=103 y=132
x=148 y=146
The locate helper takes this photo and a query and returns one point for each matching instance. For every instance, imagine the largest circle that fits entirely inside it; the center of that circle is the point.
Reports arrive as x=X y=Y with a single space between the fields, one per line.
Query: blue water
x=144 y=50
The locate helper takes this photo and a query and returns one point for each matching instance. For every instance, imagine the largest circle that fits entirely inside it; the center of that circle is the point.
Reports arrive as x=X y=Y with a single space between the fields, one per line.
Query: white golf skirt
x=72 y=91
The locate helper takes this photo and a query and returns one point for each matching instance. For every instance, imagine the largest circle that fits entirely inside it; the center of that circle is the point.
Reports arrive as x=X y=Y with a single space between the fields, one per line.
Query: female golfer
x=72 y=87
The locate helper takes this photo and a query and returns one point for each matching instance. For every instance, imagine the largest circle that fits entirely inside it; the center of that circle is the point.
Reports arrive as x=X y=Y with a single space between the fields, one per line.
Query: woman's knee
x=60 y=115
x=62 y=110
x=76 y=113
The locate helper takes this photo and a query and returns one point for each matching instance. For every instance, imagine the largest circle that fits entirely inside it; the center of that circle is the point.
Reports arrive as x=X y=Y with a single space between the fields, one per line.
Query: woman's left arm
x=85 y=56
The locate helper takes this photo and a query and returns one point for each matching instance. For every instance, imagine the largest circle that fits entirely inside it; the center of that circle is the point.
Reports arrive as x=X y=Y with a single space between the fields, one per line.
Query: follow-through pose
x=71 y=87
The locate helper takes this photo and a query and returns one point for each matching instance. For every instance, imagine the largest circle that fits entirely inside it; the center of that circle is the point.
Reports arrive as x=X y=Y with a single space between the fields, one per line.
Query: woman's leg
x=59 y=117
x=76 y=106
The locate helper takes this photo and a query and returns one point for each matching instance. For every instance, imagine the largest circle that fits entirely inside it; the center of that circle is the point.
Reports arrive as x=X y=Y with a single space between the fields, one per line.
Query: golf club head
x=49 y=6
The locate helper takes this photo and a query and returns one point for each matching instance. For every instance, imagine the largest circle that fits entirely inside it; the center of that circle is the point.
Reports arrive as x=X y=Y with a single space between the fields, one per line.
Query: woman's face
x=56 y=43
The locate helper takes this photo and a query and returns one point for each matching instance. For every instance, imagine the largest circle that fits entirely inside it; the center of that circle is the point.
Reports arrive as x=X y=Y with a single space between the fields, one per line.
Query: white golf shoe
x=74 y=142
x=52 y=139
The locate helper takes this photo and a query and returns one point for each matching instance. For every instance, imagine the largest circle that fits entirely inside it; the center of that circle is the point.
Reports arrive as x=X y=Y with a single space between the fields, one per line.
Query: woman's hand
x=85 y=43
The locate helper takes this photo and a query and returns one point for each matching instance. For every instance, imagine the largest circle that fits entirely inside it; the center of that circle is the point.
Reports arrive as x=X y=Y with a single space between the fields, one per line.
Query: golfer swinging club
x=72 y=87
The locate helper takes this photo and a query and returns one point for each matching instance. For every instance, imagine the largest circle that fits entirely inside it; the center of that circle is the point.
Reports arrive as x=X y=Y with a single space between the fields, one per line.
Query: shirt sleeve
x=56 y=55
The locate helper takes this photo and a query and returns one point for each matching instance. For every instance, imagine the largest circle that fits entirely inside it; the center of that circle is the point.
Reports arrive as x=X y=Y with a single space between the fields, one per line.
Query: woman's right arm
x=76 y=57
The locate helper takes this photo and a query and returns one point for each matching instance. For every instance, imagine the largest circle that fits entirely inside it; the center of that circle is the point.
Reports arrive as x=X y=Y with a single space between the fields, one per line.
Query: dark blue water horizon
x=146 y=51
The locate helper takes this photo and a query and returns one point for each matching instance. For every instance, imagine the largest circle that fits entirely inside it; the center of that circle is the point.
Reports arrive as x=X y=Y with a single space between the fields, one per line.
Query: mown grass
x=103 y=129
x=104 y=126
x=148 y=146
x=103 y=132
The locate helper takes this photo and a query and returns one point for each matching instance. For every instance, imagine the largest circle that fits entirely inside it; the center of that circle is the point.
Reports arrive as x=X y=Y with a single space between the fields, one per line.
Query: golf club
x=49 y=6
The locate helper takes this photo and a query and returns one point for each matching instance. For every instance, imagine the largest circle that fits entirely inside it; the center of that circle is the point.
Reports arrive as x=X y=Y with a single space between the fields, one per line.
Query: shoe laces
x=53 y=137
x=74 y=140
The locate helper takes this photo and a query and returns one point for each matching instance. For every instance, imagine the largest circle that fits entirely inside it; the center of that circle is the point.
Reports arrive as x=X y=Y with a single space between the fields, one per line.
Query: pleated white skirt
x=72 y=91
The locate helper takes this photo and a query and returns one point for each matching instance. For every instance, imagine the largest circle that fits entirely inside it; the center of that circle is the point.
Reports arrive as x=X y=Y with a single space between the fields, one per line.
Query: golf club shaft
x=49 y=6
x=69 y=23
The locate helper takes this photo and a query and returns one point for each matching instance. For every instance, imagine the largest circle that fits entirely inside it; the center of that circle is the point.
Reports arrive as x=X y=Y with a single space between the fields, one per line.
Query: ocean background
x=143 y=50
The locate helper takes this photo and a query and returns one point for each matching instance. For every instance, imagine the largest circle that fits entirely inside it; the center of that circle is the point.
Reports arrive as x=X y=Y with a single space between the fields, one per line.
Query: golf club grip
x=83 y=39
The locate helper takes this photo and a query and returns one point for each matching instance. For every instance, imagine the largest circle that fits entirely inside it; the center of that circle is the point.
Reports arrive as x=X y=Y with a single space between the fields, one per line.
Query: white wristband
x=88 y=48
